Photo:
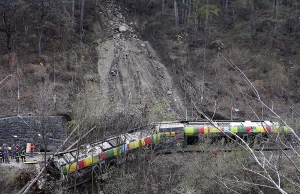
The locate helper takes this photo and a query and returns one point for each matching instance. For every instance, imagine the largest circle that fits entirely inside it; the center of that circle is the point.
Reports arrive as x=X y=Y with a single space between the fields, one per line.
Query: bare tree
x=44 y=108
x=11 y=12
x=266 y=165
x=72 y=15
x=276 y=8
x=176 y=16
x=3 y=81
x=81 y=17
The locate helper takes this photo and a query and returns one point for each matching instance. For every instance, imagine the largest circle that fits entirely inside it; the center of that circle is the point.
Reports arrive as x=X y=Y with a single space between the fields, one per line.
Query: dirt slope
x=130 y=71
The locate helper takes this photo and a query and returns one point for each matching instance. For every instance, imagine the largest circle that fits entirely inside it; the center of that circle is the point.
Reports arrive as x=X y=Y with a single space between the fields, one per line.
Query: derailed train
x=256 y=131
x=75 y=166
x=94 y=156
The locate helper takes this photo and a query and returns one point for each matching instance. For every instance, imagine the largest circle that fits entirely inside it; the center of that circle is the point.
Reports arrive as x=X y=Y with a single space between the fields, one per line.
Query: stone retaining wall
x=49 y=130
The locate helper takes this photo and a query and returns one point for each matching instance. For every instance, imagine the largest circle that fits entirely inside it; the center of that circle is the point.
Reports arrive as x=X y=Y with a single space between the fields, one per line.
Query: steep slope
x=104 y=72
x=136 y=65
x=130 y=71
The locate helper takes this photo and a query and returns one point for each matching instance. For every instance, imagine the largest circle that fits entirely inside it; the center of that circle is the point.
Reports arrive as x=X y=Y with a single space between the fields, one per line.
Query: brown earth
x=15 y=175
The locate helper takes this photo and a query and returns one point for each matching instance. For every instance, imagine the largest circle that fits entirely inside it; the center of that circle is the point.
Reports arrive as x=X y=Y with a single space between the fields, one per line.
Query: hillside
x=138 y=61
x=118 y=65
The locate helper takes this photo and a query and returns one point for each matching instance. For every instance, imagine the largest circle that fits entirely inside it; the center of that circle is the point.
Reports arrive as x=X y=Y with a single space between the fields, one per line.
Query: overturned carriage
x=90 y=161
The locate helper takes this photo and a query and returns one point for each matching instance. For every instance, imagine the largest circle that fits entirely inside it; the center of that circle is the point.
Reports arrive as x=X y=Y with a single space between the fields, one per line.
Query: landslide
x=130 y=71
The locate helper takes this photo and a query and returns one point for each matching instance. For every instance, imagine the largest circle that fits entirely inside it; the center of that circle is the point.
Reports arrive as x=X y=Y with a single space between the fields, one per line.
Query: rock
x=122 y=28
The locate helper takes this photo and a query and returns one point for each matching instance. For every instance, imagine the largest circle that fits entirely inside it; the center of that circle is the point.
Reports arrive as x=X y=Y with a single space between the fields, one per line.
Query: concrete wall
x=32 y=129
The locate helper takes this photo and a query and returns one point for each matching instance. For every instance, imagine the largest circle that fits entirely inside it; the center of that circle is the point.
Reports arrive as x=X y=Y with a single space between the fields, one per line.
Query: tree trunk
x=252 y=6
x=183 y=12
x=81 y=16
x=72 y=15
x=206 y=17
x=162 y=6
x=276 y=2
x=176 y=16
x=40 y=44
x=196 y=20
x=253 y=19
x=189 y=14
x=8 y=33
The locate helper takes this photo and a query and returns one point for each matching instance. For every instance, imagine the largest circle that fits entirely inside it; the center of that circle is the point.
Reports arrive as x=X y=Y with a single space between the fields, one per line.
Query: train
x=163 y=136
x=188 y=133
x=74 y=166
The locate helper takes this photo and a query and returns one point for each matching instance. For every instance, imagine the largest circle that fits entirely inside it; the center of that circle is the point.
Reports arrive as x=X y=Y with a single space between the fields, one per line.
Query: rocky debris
x=122 y=28
x=129 y=68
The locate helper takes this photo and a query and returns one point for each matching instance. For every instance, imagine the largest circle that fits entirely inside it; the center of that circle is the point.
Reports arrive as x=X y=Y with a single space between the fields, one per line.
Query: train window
x=62 y=162
x=105 y=145
x=67 y=157
x=113 y=142
x=72 y=156
x=96 y=148
x=81 y=156
x=125 y=138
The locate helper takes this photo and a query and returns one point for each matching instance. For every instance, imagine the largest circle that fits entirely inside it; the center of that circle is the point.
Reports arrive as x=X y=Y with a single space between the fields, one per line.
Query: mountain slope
x=131 y=61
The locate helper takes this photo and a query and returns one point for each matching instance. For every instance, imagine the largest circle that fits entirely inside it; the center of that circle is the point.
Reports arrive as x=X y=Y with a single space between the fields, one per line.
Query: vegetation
x=13 y=179
x=259 y=37
x=51 y=41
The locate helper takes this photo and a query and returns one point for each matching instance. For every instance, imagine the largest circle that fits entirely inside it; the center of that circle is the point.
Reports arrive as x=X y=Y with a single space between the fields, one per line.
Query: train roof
x=222 y=123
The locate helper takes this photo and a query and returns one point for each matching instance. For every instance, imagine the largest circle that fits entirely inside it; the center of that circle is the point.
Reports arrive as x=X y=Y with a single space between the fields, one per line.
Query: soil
x=15 y=175
x=130 y=70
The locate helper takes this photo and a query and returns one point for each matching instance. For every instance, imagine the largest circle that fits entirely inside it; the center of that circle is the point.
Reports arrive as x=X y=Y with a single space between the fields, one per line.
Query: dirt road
x=38 y=158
